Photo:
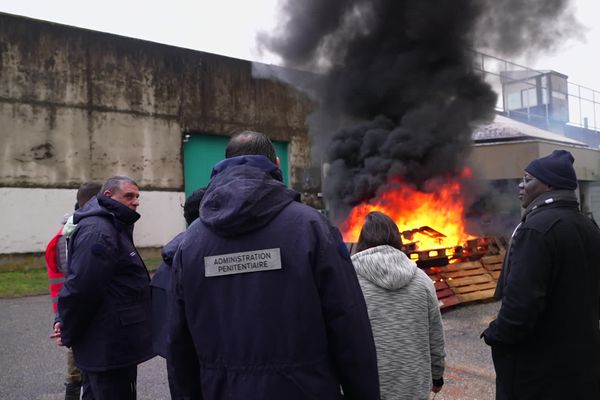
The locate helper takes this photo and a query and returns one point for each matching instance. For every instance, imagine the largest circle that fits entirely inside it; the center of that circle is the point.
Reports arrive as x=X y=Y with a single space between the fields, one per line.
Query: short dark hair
x=378 y=230
x=191 y=208
x=247 y=143
x=113 y=183
x=86 y=191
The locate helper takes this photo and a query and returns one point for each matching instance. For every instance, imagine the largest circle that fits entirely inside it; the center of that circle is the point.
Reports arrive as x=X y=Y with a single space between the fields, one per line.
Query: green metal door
x=201 y=152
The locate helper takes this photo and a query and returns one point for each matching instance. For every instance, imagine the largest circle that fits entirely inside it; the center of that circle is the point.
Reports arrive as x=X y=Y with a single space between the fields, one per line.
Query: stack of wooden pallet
x=473 y=279
x=466 y=281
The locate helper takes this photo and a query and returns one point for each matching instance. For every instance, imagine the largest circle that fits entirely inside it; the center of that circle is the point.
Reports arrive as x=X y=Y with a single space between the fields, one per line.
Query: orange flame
x=441 y=209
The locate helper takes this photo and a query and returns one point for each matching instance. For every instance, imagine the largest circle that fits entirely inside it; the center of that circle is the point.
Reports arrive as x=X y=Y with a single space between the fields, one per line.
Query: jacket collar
x=551 y=197
x=260 y=162
x=120 y=211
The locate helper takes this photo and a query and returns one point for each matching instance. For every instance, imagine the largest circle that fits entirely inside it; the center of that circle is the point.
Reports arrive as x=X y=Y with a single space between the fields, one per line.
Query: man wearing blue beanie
x=555 y=170
x=546 y=338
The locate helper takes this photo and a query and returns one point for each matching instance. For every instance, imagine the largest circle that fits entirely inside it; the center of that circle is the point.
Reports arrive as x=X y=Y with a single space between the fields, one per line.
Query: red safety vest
x=55 y=277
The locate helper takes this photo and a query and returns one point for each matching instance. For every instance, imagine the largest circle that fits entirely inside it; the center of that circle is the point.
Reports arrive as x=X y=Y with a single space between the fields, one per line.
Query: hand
x=56 y=335
x=436 y=389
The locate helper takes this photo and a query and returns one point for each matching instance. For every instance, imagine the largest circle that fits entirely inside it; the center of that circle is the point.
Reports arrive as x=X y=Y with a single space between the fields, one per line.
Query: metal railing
x=581 y=104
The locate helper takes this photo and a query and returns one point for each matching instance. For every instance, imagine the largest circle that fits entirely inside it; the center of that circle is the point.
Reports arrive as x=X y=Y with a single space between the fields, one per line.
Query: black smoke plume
x=514 y=27
x=397 y=92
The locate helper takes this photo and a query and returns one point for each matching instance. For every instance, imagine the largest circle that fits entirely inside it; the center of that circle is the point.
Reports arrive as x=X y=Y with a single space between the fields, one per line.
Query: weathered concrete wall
x=503 y=161
x=507 y=160
x=80 y=105
x=35 y=155
x=36 y=214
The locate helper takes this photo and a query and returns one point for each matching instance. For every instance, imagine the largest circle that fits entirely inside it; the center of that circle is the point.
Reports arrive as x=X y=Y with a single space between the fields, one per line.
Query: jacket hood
x=384 y=266
x=104 y=206
x=69 y=227
x=169 y=249
x=245 y=193
x=66 y=218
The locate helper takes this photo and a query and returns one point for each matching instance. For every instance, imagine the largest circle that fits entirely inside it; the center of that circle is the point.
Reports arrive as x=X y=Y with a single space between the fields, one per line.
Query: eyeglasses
x=527 y=179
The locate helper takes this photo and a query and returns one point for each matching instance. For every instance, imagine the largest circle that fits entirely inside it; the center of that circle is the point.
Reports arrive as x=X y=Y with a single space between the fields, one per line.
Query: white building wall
x=594 y=191
x=32 y=216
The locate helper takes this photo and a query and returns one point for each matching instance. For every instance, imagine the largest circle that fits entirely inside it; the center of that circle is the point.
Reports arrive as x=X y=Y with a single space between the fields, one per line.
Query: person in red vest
x=56 y=264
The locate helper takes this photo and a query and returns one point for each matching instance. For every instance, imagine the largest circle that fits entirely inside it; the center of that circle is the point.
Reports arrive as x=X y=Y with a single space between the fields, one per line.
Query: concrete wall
x=594 y=193
x=36 y=214
x=79 y=105
x=508 y=160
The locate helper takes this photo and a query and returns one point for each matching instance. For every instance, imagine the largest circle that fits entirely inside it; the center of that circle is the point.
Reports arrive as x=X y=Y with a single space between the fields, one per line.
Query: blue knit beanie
x=555 y=170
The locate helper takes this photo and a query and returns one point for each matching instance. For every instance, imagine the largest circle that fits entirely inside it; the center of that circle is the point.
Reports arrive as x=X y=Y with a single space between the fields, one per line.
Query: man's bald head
x=248 y=143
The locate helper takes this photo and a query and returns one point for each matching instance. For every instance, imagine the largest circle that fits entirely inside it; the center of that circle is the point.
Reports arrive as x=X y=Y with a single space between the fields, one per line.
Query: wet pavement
x=469 y=373
x=32 y=366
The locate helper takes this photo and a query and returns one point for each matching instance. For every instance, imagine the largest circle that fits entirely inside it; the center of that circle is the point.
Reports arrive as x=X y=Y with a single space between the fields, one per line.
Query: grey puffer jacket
x=406 y=322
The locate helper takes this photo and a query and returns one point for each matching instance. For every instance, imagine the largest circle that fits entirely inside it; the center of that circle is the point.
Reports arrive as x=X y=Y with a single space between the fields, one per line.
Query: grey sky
x=228 y=27
x=578 y=58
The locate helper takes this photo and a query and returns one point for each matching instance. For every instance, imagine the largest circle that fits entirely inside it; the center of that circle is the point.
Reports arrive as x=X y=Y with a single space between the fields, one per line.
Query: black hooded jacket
x=104 y=305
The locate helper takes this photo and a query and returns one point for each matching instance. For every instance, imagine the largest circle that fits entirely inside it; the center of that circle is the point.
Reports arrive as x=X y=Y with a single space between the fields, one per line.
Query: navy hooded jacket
x=160 y=285
x=104 y=305
x=266 y=301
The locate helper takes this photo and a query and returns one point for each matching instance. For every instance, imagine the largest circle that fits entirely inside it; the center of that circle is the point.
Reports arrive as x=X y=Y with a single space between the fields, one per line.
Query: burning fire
x=441 y=209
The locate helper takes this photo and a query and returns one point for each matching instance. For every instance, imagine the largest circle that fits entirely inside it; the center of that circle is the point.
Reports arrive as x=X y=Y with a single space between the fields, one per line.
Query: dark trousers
x=83 y=390
x=175 y=395
x=76 y=383
x=86 y=388
x=516 y=382
x=116 y=384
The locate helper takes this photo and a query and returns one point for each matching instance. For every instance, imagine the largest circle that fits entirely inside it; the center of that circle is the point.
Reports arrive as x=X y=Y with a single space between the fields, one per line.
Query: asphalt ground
x=32 y=367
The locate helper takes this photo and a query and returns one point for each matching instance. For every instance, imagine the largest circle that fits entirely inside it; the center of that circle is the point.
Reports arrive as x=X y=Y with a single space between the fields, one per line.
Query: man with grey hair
x=104 y=306
x=56 y=263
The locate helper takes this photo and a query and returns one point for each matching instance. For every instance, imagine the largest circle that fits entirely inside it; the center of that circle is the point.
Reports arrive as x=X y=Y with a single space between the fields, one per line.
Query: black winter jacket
x=546 y=338
x=104 y=304
x=267 y=304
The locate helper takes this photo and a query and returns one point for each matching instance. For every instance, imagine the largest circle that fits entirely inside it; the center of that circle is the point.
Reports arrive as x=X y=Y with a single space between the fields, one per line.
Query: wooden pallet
x=466 y=282
x=493 y=264
x=463 y=282
x=446 y=296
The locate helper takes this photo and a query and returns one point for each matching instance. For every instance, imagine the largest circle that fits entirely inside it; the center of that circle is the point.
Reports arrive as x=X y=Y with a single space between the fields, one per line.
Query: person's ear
x=278 y=161
x=107 y=193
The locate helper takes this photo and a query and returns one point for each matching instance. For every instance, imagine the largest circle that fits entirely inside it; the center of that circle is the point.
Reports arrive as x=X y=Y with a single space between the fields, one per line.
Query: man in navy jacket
x=161 y=286
x=266 y=302
x=104 y=306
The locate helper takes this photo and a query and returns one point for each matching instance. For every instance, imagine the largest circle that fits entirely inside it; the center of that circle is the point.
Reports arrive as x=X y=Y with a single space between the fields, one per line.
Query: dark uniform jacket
x=267 y=304
x=161 y=284
x=104 y=304
x=546 y=339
